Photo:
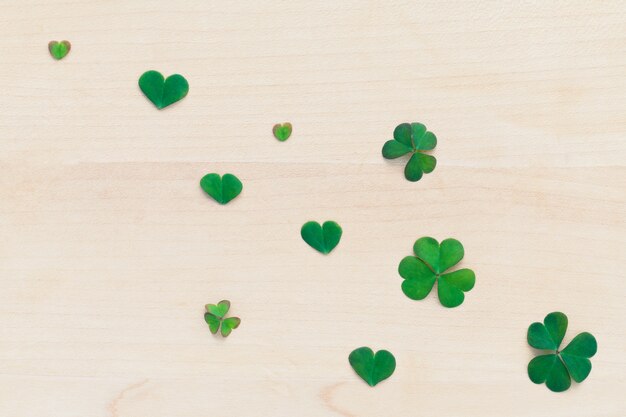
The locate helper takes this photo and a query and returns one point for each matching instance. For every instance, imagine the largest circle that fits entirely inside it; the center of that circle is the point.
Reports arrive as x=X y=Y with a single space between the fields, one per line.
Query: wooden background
x=109 y=249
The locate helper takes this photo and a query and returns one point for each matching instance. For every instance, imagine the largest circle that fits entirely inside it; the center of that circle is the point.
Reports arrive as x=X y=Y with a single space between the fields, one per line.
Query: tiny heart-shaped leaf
x=282 y=131
x=321 y=238
x=372 y=368
x=221 y=189
x=58 y=50
x=220 y=309
x=229 y=324
x=213 y=322
x=163 y=92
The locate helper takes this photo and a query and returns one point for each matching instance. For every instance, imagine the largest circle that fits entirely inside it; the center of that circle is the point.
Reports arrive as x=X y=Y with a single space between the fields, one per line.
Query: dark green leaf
x=556 y=324
x=373 y=368
x=402 y=134
x=321 y=238
x=539 y=338
x=583 y=345
x=423 y=140
x=578 y=367
x=393 y=149
x=413 y=170
x=163 y=92
x=540 y=366
x=551 y=370
x=221 y=189
x=427 y=162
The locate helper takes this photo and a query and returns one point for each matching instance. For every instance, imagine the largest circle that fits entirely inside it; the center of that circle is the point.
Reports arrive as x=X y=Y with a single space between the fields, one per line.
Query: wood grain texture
x=109 y=249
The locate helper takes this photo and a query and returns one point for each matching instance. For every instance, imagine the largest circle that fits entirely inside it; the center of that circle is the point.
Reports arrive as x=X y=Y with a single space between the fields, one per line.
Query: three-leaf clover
x=431 y=260
x=555 y=369
x=414 y=139
x=214 y=317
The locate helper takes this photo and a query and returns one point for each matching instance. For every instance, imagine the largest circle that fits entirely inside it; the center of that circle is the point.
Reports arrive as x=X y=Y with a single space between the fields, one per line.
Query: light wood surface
x=109 y=249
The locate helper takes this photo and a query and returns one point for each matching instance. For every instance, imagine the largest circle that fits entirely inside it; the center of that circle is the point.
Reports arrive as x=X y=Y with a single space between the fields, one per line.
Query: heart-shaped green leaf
x=418 y=278
x=221 y=189
x=229 y=324
x=452 y=286
x=576 y=354
x=549 y=334
x=58 y=50
x=213 y=322
x=321 y=238
x=282 y=131
x=220 y=309
x=551 y=370
x=414 y=139
x=556 y=369
x=163 y=92
x=373 y=368
x=428 y=265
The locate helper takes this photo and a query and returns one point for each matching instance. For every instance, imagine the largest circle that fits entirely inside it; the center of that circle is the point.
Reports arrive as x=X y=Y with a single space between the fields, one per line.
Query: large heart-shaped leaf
x=439 y=257
x=163 y=92
x=323 y=238
x=373 y=368
x=221 y=189
x=551 y=370
x=576 y=354
x=549 y=334
x=418 y=278
x=452 y=286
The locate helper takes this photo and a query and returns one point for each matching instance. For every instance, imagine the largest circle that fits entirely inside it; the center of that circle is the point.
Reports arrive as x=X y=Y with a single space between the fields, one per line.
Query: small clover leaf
x=429 y=265
x=214 y=317
x=323 y=238
x=415 y=139
x=221 y=188
x=372 y=367
x=558 y=368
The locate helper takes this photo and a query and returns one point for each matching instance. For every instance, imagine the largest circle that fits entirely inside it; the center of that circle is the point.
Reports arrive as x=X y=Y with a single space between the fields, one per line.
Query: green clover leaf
x=429 y=265
x=372 y=368
x=58 y=50
x=414 y=139
x=323 y=238
x=162 y=91
x=218 y=310
x=282 y=131
x=221 y=189
x=214 y=317
x=558 y=368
